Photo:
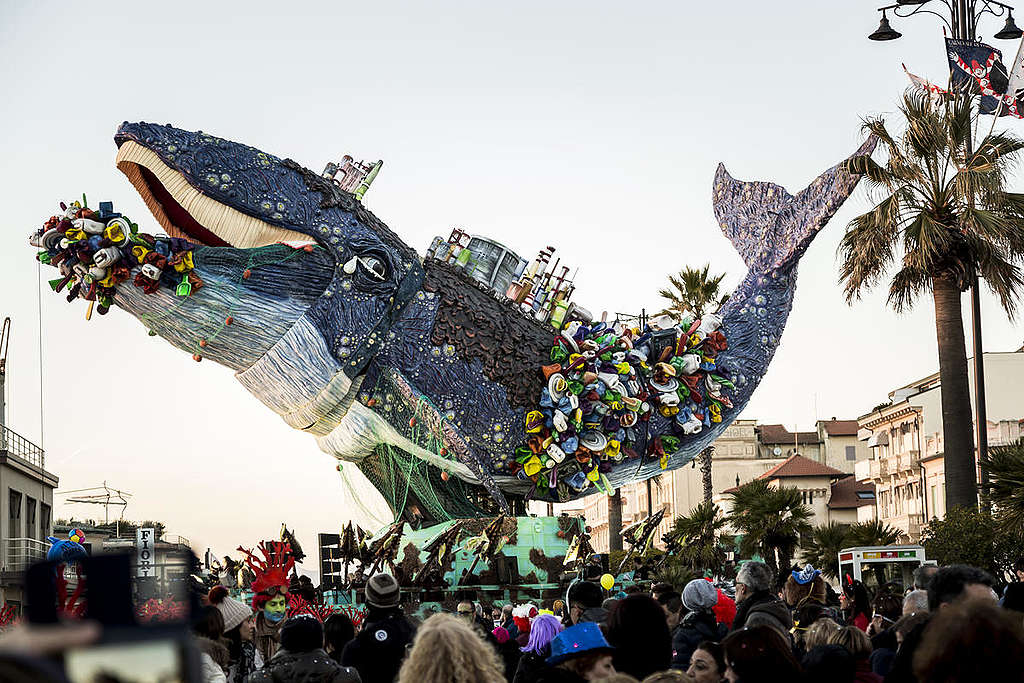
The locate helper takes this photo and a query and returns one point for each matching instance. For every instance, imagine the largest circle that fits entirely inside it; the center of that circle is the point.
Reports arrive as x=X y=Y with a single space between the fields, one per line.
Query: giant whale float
x=398 y=364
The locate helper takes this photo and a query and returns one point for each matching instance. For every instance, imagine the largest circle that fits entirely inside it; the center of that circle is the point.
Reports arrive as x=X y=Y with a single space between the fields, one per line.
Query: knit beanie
x=699 y=595
x=233 y=611
x=382 y=591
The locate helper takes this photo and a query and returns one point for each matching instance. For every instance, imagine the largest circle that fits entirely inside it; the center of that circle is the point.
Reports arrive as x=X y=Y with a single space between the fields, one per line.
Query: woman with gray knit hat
x=378 y=649
x=700 y=624
x=238 y=632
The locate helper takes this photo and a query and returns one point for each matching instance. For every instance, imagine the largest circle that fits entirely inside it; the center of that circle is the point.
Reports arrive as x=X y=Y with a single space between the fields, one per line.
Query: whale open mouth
x=185 y=212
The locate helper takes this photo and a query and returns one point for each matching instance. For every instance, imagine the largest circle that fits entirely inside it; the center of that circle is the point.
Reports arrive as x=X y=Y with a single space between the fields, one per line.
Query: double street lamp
x=961 y=17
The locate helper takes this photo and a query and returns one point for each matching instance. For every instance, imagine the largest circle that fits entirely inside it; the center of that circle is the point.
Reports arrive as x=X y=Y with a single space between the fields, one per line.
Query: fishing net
x=420 y=480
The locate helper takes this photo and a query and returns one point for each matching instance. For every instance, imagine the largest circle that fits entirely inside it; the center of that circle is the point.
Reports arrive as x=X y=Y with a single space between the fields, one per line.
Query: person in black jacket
x=753 y=595
x=700 y=624
x=638 y=632
x=585 y=600
x=377 y=651
x=301 y=657
x=508 y=651
x=338 y=632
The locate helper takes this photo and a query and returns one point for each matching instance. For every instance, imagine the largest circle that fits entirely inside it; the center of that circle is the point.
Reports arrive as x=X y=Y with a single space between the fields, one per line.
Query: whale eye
x=374 y=267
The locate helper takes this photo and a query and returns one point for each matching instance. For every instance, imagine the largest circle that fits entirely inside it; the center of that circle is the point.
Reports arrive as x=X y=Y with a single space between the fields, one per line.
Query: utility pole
x=5 y=340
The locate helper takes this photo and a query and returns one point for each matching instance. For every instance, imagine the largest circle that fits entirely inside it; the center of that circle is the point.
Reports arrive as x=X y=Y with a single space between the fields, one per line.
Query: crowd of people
x=950 y=626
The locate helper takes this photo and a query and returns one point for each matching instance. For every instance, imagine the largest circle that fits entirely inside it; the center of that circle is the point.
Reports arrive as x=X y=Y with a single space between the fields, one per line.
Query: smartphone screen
x=147 y=661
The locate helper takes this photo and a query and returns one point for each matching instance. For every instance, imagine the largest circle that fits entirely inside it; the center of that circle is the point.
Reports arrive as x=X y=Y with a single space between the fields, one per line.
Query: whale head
x=286 y=260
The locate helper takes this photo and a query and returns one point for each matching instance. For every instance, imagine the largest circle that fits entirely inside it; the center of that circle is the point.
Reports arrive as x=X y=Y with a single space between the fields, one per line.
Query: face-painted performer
x=270 y=593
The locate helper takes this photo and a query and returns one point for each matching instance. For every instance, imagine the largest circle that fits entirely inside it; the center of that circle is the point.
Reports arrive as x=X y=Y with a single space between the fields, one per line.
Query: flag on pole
x=935 y=91
x=1015 y=83
x=978 y=68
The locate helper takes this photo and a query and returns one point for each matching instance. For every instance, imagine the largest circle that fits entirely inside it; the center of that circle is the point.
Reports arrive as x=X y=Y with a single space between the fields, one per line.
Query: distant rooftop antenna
x=100 y=495
x=5 y=340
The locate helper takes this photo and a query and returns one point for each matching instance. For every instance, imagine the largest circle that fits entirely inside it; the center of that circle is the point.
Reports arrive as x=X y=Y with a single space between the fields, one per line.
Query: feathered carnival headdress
x=522 y=615
x=271 y=571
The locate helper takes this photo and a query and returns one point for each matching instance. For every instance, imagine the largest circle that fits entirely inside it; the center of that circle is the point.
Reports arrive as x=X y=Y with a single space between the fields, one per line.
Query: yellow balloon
x=607 y=582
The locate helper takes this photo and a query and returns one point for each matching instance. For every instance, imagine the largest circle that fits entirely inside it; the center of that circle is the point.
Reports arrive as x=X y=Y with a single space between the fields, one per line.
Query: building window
x=851 y=453
x=810 y=496
x=30 y=517
x=14 y=525
x=44 y=520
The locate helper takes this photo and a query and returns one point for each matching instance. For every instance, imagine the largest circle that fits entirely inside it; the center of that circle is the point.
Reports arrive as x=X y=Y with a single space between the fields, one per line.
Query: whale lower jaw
x=345 y=428
x=300 y=380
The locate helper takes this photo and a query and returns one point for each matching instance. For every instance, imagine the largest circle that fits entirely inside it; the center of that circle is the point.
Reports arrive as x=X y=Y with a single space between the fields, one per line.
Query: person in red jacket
x=855 y=603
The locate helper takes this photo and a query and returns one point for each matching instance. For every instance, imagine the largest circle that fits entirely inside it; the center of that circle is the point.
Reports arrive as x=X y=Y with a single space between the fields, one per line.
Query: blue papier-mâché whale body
x=400 y=365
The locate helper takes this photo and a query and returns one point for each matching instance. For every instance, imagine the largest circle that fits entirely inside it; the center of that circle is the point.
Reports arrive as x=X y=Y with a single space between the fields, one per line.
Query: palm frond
x=823 y=546
x=945 y=212
x=875 y=532
x=1005 y=468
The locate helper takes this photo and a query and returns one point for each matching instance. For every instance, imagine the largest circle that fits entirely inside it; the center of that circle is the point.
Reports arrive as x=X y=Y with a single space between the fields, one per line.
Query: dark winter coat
x=315 y=666
x=509 y=653
x=598 y=615
x=864 y=674
x=695 y=628
x=884 y=650
x=531 y=668
x=556 y=674
x=762 y=601
x=744 y=606
x=378 y=649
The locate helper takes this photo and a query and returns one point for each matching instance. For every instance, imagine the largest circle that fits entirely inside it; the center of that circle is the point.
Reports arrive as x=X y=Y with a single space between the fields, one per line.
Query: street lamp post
x=961 y=17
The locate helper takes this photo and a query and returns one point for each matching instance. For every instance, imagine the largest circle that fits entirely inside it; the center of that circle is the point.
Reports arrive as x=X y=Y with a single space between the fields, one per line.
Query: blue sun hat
x=577 y=640
x=805 y=575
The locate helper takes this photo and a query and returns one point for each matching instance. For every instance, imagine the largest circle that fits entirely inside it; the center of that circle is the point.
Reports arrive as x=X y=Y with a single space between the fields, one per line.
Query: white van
x=882 y=565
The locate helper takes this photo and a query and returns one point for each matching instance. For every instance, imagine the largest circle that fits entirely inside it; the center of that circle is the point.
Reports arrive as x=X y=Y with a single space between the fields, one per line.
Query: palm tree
x=695 y=538
x=692 y=291
x=945 y=221
x=874 y=532
x=772 y=520
x=823 y=545
x=1006 y=484
x=705 y=472
x=615 y=521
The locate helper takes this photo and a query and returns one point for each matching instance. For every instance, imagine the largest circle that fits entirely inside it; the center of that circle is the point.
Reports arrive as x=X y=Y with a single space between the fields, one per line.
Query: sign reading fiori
x=145 y=542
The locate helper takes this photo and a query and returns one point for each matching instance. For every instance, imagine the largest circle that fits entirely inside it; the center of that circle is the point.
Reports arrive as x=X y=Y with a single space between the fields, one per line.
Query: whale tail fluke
x=771 y=228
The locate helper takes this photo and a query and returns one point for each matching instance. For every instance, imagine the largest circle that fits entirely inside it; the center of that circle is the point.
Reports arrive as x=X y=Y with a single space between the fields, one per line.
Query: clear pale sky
x=595 y=127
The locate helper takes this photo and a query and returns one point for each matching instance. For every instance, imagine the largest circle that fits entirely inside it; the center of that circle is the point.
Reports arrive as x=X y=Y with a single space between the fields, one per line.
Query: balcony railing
x=175 y=540
x=15 y=444
x=23 y=552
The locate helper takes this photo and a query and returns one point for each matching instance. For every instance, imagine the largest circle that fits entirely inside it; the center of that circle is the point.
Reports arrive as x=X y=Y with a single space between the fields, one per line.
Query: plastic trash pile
x=603 y=385
x=96 y=251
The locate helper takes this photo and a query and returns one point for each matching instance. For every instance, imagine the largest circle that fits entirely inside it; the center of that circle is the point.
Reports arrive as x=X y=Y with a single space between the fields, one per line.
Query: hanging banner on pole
x=145 y=546
x=978 y=69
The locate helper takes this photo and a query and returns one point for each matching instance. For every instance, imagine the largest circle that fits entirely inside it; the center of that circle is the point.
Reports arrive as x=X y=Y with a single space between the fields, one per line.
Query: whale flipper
x=759 y=218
